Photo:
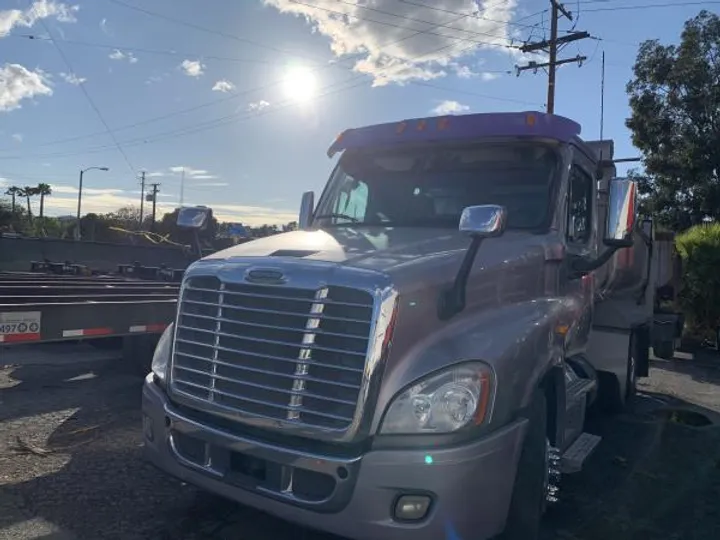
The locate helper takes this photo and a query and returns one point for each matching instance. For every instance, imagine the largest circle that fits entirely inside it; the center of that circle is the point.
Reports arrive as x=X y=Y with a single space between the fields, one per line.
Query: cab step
x=574 y=457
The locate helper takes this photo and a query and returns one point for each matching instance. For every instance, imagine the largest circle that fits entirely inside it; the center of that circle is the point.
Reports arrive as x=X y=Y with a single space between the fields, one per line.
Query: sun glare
x=300 y=84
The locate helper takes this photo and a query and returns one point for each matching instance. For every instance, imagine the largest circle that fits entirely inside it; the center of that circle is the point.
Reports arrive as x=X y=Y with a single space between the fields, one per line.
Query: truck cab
x=417 y=360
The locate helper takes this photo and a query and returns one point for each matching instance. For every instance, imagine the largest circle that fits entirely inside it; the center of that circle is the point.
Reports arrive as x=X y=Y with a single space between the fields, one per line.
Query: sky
x=243 y=98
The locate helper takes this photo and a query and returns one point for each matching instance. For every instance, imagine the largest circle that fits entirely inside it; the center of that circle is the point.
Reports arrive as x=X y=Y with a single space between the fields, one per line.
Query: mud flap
x=642 y=358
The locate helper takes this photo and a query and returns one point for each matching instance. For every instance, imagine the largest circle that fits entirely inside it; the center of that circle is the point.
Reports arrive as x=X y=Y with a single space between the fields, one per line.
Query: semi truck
x=417 y=361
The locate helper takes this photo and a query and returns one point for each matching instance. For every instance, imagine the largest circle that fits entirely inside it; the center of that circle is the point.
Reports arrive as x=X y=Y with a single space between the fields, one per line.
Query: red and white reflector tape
x=149 y=328
x=85 y=332
x=19 y=338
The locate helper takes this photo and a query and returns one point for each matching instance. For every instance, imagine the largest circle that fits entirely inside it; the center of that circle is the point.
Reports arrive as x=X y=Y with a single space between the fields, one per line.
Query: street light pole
x=78 y=234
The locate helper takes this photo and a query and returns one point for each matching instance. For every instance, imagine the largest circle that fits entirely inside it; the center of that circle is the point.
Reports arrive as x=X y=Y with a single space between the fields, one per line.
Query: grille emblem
x=267 y=276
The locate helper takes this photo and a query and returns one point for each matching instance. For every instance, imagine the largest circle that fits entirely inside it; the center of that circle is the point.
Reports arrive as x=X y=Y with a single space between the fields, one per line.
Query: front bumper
x=470 y=485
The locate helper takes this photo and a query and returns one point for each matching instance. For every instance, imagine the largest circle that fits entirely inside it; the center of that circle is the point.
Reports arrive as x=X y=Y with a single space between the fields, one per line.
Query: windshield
x=430 y=186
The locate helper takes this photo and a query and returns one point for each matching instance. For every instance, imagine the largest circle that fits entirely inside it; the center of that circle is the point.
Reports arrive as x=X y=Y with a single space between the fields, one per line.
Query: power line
x=412 y=19
x=83 y=89
x=221 y=121
x=166 y=52
x=201 y=28
x=224 y=99
x=508 y=23
x=238 y=117
x=652 y=6
x=385 y=23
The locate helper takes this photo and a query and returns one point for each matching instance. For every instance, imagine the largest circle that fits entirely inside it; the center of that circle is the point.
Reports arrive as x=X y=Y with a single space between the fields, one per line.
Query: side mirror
x=194 y=217
x=483 y=221
x=307 y=205
x=622 y=213
x=478 y=222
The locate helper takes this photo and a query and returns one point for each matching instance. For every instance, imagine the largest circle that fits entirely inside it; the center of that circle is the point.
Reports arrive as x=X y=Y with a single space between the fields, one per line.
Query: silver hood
x=405 y=253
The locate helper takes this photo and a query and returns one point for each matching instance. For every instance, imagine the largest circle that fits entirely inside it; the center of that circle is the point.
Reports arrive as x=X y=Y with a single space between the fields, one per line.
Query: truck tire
x=611 y=399
x=138 y=352
x=528 y=502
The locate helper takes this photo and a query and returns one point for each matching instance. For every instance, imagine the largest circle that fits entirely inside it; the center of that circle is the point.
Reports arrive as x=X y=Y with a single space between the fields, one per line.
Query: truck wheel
x=531 y=479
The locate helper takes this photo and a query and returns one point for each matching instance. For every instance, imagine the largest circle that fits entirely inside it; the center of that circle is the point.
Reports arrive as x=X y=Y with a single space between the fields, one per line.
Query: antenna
x=182 y=187
x=602 y=97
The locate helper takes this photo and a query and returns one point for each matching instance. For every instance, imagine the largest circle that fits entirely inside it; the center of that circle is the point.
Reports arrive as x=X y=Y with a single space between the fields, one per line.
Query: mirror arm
x=452 y=300
x=585 y=266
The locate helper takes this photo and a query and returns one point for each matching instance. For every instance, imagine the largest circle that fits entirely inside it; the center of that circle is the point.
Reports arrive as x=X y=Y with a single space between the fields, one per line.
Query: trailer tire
x=528 y=502
x=138 y=352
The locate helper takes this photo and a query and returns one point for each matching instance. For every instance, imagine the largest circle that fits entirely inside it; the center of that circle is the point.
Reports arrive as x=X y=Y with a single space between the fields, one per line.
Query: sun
x=300 y=84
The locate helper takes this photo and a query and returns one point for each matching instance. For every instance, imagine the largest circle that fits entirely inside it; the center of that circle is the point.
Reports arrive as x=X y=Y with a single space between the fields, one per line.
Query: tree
x=44 y=190
x=675 y=122
x=28 y=192
x=12 y=192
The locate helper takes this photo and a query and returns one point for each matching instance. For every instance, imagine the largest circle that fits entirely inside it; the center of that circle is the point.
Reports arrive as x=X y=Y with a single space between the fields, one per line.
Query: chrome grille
x=290 y=354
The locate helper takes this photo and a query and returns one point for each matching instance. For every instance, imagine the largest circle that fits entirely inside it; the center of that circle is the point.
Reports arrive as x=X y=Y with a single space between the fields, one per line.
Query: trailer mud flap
x=642 y=342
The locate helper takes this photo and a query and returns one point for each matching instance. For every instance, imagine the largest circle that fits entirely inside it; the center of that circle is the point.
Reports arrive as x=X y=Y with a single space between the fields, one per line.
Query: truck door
x=581 y=239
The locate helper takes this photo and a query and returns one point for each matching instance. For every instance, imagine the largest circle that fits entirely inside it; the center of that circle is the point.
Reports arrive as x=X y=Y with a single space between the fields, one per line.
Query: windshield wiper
x=333 y=215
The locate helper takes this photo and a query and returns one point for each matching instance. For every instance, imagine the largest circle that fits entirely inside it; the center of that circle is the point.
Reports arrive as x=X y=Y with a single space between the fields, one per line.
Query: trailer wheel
x=528 y=501
x=138 y=352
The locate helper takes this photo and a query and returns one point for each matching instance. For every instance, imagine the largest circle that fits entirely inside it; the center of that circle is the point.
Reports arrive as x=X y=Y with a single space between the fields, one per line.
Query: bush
x=699 y=248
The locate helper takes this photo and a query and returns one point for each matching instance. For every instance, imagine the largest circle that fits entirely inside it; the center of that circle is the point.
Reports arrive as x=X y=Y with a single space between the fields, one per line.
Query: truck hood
x=402 y=252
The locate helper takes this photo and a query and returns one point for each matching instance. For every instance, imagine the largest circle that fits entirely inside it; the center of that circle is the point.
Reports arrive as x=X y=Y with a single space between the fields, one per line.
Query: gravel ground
x=71 y=467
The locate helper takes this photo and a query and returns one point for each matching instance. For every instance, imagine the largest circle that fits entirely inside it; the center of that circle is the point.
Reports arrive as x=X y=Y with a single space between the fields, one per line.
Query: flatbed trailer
x=39 y=308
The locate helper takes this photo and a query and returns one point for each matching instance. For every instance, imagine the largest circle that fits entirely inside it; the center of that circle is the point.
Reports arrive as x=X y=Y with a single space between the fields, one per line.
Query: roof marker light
x=443 y=123
x=530 y=120
x=421 y=125
x=401 y=127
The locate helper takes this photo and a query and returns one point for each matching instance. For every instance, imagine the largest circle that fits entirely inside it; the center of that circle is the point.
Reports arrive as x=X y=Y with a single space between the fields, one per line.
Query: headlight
x=442 y=402
x=161 y=357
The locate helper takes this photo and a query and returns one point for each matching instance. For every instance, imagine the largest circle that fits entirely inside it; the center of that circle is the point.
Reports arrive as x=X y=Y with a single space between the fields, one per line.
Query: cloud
x=102 y=201
x=407 y=41
x=71 y=78
x=190 y=173
x=117 y=54
x=450 y=107
x=258 y=105
x=40 y=9
x=223 y=86
x=72 y=190
x=17 y=137
x=192 y=68
x=18 y=83
x=486 y=76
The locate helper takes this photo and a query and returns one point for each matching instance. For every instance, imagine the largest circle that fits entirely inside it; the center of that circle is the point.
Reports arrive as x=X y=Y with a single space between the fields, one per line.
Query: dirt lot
x=71 y=468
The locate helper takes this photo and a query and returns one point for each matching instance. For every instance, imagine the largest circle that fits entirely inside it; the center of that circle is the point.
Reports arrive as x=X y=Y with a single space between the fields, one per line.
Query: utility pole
x=153 y=194
x=550 y=46
x=142 y=197
x=182 y=187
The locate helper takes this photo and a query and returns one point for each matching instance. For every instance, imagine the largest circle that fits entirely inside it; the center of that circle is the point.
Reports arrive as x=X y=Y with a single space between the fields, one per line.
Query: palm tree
x=13 y=191
x=28 y=192
x=44 y=190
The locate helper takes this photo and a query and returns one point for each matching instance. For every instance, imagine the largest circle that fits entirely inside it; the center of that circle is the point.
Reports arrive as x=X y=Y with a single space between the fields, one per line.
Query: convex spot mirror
x=483 y=221
x=622 y=213
x=307 y=206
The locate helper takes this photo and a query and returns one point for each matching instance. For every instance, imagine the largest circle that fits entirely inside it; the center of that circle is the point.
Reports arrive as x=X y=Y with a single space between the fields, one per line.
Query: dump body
x=294 y=360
